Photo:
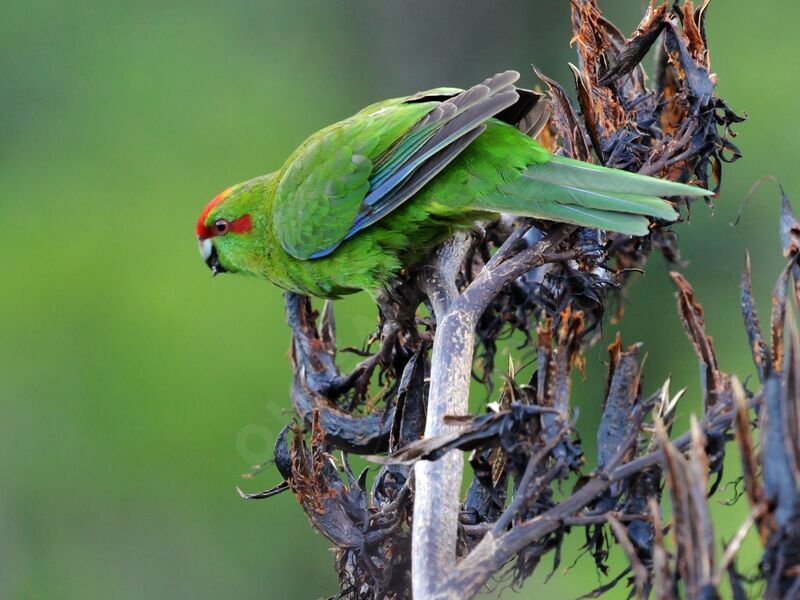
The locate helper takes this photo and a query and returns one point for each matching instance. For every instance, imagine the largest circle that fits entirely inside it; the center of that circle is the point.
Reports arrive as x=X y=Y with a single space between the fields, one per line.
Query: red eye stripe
x=242 y=225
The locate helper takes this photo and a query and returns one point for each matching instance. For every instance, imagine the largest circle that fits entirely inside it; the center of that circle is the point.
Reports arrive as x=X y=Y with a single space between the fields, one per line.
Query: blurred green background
x=135 y=389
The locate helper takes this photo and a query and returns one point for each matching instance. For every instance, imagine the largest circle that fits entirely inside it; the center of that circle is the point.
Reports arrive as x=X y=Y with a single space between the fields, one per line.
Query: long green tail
x=571 y=191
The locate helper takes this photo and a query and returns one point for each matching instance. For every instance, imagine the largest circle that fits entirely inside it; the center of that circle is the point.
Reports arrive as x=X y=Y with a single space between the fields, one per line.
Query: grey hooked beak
x=209 y=254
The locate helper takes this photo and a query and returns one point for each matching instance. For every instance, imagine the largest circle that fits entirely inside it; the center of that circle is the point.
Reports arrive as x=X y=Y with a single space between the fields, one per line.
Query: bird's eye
x=221 y=226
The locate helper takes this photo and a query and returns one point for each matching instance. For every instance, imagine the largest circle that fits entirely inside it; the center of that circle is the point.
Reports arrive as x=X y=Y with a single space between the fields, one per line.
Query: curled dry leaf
x=567 y=128
x=691 y=313
x=752 y=324
x=630 y=55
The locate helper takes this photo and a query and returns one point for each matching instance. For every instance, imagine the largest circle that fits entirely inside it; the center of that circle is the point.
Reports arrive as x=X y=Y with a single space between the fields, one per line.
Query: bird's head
x=229 y=229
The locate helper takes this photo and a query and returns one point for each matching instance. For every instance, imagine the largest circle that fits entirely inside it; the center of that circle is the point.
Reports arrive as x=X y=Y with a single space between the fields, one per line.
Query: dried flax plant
x=412 y=532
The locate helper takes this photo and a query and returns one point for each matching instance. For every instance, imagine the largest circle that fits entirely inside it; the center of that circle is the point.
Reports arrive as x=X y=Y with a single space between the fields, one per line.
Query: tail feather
x=571 y=191
x=590 y=217
x=591 y=197
x=516 y=200
x=567 y=171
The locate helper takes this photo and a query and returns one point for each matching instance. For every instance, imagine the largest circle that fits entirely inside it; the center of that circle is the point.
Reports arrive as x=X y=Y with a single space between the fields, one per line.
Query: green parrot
x=370 y=195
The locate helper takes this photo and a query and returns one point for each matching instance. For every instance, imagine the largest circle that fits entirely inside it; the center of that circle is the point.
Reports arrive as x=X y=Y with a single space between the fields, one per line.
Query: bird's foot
x=382 y=359
x=398 y=335
x=398 y=332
